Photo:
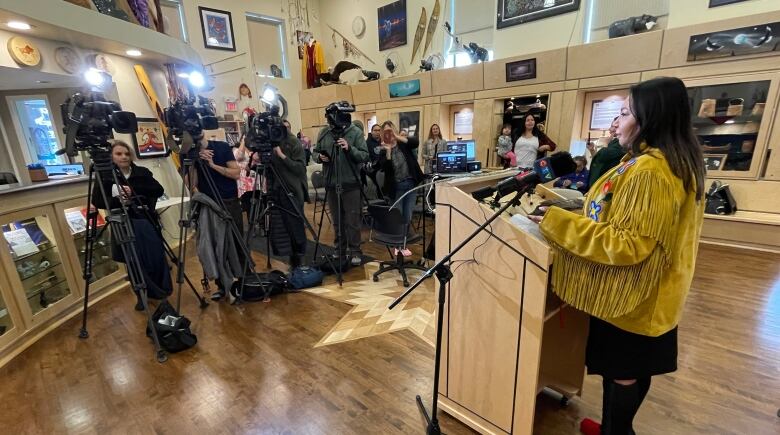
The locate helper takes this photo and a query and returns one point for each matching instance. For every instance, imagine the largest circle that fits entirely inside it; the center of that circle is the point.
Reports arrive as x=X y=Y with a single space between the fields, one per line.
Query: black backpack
x=720 y=200
x=269 y=284
x=173 y=329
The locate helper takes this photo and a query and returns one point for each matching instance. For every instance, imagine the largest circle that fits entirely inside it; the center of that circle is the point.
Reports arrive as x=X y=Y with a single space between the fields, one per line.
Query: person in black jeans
x=137 y=188
x=217 y=159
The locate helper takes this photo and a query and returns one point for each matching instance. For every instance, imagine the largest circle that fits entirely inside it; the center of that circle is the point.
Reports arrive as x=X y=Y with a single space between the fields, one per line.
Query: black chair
x=388 y=228
x=7 y=178
x=318 y=183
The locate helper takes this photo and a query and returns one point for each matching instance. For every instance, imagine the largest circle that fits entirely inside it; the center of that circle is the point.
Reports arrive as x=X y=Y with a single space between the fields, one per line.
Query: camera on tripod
x=187 y=116
x=338 y=116
x=90 y=119
x=264 y=131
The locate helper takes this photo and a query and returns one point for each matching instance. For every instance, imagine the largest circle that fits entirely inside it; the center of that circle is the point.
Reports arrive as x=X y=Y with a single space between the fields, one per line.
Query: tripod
x=194 y=165
x=102 y=167
x=268 y=173
x=342 y=239
x=444 y=274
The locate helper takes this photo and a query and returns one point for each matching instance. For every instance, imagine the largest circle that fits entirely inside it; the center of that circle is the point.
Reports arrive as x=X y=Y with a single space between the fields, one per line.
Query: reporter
x=349 y=151
x=138 y=190
x=629 y=259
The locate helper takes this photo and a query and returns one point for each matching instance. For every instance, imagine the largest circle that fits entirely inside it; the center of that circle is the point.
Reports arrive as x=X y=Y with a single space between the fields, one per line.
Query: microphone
x=545 y=170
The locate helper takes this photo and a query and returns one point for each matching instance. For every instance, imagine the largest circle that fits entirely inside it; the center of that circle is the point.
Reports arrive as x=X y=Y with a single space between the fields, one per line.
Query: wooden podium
x=505 y=335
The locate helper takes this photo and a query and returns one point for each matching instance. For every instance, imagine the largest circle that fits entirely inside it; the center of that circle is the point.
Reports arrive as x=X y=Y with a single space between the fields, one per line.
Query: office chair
x=389 y=229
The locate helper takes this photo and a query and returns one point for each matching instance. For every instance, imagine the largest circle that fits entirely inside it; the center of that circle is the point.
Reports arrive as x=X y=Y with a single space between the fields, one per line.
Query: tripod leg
x=89 y=240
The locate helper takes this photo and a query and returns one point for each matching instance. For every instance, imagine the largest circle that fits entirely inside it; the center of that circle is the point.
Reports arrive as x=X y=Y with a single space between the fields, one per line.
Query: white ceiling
x=17 y=78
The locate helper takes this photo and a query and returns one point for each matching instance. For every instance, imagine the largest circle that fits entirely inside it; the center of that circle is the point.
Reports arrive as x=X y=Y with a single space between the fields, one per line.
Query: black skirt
x=618 y=354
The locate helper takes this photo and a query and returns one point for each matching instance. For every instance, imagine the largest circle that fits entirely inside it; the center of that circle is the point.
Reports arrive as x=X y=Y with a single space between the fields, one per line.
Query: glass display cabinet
x=731 y=118
x=42 y=282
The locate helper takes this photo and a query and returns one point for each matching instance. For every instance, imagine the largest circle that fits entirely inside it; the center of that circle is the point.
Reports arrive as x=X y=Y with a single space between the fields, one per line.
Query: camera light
x=133 y=52
x=19 y=25
x=196 y=79
x=269 y=95
x=95 y=77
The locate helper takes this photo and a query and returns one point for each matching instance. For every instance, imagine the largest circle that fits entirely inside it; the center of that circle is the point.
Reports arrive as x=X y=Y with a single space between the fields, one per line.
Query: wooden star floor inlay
x=370 y=315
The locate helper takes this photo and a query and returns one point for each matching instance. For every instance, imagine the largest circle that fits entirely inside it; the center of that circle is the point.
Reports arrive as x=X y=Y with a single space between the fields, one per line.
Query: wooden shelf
x=752 y=217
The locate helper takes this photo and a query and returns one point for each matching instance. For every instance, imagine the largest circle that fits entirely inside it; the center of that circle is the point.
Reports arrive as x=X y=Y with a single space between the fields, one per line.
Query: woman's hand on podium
x=538 y=217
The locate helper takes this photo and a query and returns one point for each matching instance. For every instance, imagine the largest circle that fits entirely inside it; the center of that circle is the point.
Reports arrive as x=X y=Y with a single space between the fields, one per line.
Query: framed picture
x=716 y=3
x=603 y=112
x=392 y=25
x=411 y=122
x=521 y=70
x=217 y=27
x=741 y=41
x=514 y=12
x=715 y=162
x=404 y=89
x=149 y=141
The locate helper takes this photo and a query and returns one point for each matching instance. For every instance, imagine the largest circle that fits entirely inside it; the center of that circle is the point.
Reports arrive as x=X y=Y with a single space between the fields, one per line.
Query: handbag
x=173 y=329
x=305 y=277
x=720 y=200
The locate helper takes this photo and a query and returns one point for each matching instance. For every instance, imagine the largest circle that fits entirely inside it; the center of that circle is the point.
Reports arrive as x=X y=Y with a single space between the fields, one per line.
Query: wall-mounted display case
x=731 y=117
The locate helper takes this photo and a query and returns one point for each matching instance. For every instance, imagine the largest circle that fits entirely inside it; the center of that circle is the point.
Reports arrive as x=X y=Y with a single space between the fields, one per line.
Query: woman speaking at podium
x=628 y=260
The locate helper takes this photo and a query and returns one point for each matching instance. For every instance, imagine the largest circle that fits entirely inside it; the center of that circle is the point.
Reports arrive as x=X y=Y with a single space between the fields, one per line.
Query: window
x=472 y=22
x=462 y=58
x=266 y=44
x=173 y=13
x=32 y=119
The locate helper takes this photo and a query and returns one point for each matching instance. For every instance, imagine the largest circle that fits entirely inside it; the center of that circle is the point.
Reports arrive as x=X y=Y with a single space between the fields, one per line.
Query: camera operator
x=289 y=161
x=217 y=158
x=351 y=152
x=141 y=190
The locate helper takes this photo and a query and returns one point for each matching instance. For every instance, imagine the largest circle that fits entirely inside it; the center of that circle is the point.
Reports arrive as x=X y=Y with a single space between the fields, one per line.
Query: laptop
x=451 y=163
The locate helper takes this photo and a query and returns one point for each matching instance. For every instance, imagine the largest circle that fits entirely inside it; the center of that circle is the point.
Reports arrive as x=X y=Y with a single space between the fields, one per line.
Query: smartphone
x=326 y=154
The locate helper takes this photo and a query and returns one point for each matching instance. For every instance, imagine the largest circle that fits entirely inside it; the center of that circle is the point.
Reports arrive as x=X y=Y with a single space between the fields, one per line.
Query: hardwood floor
x=257 y=369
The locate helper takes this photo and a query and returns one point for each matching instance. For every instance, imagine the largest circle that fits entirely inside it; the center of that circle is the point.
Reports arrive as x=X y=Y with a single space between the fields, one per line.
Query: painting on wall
x=149 y=140
x=392 y=25
x=716 y=3
x=514 y=12
x=411 y=122
x=521 y=70
x=406 y=88
x=735 y=42
x=217 y=28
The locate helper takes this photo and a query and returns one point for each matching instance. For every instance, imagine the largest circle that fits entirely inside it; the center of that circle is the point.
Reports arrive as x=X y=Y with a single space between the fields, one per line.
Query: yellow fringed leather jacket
x=629 y=258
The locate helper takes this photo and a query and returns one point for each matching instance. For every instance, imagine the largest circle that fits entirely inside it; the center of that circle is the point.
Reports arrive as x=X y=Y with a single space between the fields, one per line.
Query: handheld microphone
x=545 y=170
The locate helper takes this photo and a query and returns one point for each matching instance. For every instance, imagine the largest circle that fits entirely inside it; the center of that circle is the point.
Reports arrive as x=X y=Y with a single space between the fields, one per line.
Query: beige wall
x=540 y=35
x=687 y=12
x=340 y=13
x=229 y=74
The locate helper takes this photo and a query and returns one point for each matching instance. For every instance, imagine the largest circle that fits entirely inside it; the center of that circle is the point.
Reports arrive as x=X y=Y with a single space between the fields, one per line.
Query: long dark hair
x=663 y=112
x=430 y=132
x=521 y=130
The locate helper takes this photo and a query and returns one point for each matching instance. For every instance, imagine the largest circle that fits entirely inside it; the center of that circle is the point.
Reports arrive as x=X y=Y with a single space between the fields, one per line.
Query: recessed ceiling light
x=19 y=25
x=133 y=52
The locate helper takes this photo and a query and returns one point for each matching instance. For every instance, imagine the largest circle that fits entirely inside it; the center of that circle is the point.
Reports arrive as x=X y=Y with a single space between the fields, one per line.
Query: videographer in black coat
x=139 y=191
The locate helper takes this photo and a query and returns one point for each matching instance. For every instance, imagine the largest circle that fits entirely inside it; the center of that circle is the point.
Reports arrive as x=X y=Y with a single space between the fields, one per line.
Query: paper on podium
x=527 y=225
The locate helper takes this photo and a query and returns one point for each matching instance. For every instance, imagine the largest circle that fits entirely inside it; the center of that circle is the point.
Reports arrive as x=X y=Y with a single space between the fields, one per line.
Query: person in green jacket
x=289 y=161
x=605 y=158
x=349 y=152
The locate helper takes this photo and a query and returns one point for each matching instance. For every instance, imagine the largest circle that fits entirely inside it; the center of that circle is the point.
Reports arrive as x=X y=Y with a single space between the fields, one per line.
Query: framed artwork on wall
x=521 y=70
x=411 y=122
x=392 y=25
x=716 y=3
x=217 y=28
x=514 y=12
x=741 y=41
x=404 y=89
x=149 y=141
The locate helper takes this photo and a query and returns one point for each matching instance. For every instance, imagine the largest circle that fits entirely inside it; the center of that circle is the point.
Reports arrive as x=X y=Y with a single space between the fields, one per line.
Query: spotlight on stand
x=274 y=99
x=432 y=62
x=196 y=79
x=97 y=79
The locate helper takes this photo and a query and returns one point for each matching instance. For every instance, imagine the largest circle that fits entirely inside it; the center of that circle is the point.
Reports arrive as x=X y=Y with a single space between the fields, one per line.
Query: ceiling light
x=19 y=25
x=133 y=52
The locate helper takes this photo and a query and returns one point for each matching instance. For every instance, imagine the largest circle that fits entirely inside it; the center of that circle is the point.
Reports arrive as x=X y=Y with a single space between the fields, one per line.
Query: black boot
x=620 y=405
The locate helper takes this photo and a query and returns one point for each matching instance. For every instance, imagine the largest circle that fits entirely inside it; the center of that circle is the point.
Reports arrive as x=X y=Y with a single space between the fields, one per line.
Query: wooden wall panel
x=759 y=196
x=322 y=96
x=550 y=67
x=425 y=86
x=463 y=97
x=366 y=93
x=484 y=131
x=457 y=80
x=519 y=91
x=571 y=115
x=676 y=40
x=609 y=82
x=407 y=102
x=741 y=234
x=554 y=114
x=615 y=56
x=313 y=117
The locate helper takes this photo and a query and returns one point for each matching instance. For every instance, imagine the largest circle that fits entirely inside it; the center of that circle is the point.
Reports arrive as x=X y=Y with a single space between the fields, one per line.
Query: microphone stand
x=443 y=272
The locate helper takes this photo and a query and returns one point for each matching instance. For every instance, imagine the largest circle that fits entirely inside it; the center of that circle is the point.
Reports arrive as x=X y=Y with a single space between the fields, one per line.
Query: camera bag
x=257 y=287
x=173 y=329
x=305 y=277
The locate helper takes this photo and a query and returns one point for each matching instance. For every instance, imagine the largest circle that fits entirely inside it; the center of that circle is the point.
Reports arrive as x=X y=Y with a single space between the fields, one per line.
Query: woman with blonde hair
x=434 y=144
x=138 y=191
